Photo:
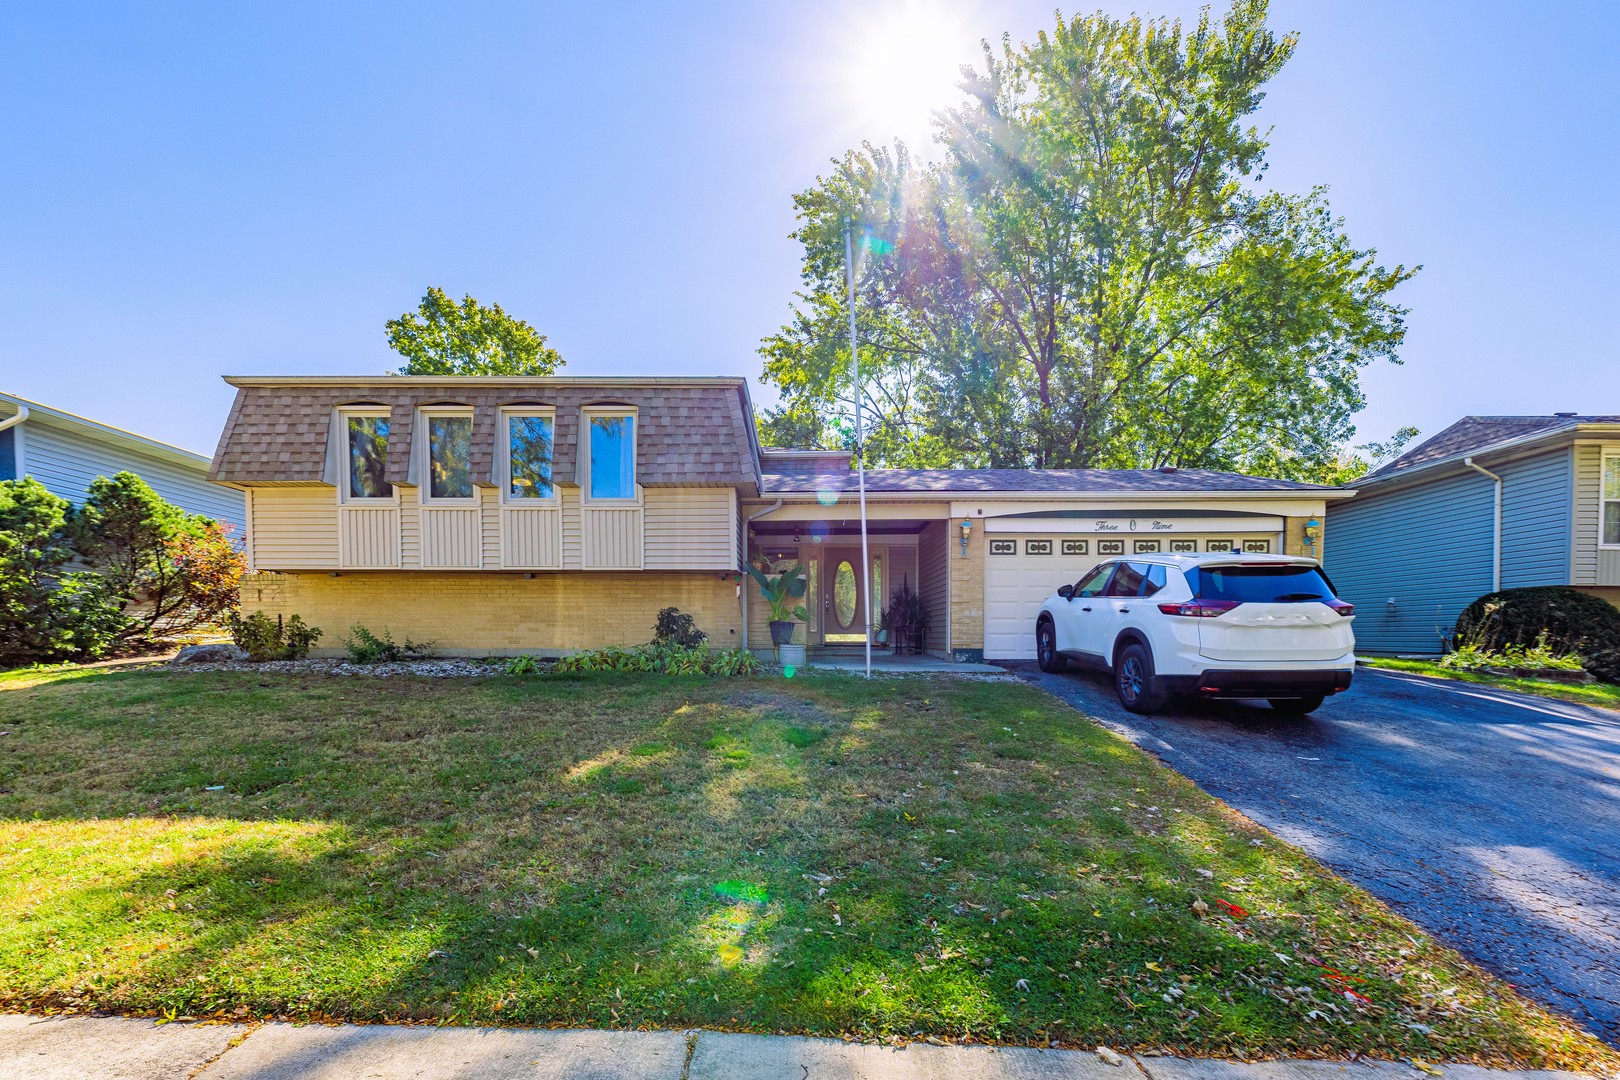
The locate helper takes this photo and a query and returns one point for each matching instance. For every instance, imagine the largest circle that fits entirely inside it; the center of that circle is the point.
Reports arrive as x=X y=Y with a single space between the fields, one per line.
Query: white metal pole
x=860 y=444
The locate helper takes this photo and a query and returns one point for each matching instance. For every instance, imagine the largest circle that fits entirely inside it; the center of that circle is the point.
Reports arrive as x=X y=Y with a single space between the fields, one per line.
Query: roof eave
x=960 y=494
x=116 y=435
x=1523 y=442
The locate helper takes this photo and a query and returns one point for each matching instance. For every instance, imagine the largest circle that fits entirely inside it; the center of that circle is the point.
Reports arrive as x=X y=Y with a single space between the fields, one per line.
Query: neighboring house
x=542 y=515
x=66 y=452
x=1491 y=502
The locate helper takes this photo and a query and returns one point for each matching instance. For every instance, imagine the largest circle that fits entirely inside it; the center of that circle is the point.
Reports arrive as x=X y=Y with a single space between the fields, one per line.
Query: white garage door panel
x=1014 y=587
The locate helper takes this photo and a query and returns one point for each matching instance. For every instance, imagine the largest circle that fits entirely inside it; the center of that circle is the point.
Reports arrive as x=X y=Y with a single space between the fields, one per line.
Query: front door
x=843 y=596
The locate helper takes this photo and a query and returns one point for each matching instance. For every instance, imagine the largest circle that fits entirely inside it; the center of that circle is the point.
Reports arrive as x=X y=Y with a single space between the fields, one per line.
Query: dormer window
x=528 y=453
x=613 y=454
x=449 y=455
x=367 y=439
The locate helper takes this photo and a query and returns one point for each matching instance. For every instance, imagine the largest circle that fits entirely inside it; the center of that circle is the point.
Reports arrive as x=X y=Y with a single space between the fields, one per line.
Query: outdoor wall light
x=1313 y=528
x=967 y=532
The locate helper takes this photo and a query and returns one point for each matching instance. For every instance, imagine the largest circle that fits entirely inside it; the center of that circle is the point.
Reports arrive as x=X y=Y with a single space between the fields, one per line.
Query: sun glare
x=902 y=63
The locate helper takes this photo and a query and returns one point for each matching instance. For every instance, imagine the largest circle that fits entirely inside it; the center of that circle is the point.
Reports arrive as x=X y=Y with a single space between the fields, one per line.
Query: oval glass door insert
x=844 y=595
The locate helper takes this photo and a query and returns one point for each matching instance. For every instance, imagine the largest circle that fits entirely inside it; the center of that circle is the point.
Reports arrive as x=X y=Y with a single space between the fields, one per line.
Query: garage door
x=1022 y=569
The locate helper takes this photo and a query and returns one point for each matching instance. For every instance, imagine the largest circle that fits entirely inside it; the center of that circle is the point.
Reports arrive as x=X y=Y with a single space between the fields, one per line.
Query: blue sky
x=191 y=190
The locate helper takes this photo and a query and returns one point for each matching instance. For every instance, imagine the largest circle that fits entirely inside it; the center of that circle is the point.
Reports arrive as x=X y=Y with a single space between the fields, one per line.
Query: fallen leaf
x=1109 y=1056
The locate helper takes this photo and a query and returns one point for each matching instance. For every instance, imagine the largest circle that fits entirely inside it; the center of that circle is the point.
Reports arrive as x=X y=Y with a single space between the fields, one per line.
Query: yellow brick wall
x=967 y=592
x=478 y=614
x=1294 y=536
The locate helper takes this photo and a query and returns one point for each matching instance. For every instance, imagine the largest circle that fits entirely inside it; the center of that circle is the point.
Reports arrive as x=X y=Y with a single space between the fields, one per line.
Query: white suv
x=1219 y=624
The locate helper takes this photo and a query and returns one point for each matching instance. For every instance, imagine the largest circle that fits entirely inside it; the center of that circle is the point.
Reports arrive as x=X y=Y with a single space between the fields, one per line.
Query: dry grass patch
x=953 y=858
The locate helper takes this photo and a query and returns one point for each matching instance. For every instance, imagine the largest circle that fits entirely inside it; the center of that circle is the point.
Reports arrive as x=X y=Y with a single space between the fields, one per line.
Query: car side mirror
x=1066 y=591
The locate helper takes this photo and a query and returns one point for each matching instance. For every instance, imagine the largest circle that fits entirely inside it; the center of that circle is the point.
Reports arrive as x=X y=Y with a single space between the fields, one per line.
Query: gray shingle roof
x=1477 y=434
x=1057 y=481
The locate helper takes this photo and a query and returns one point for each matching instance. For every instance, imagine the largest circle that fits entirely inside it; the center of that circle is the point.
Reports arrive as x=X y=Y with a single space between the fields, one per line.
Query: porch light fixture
x=967 y=533
x=1312 y=528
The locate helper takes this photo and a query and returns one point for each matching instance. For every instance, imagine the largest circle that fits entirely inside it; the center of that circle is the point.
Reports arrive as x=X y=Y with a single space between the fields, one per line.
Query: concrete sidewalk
x=116 y=1048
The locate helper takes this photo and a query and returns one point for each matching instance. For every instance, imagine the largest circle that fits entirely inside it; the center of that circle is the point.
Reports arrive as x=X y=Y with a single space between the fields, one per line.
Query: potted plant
x=783 y=592
x=907 y=619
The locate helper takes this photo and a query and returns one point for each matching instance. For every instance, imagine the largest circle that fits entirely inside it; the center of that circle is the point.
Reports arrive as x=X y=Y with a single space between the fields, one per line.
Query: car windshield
x=1275 y=584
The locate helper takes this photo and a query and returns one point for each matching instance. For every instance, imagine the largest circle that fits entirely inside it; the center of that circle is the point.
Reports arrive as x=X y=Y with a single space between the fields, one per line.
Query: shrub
x=1566 y=620
x=169 y=570
x=675 y=627
x=522 y=665
x=264 y=640
x=367 y=648
x=665 y=660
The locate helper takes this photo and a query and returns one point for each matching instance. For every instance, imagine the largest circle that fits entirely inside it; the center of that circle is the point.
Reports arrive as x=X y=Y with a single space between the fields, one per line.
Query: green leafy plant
x=265 y=639
x=907 y=617
x=664 y=660
x=522 y=665
x=1539 y=656
x=782 y=591
x=1566 y=620
x=676 y=627
x=367 y=648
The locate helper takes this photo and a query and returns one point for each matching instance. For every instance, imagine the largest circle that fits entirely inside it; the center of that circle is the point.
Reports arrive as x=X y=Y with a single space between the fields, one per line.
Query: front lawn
x=1604 y=695
x=898 y=858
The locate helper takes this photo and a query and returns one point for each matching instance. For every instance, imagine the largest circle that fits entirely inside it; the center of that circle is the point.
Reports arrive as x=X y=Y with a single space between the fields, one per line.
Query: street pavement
x=1489 y=818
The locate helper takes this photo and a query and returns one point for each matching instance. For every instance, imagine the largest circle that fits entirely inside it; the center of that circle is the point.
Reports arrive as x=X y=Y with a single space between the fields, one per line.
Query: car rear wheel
x=1046 y=653
x=1298 y=706
x=1134 y=681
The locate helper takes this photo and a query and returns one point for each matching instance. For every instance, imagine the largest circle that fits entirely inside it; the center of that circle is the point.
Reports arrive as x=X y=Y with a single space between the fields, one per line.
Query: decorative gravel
x=440 y=668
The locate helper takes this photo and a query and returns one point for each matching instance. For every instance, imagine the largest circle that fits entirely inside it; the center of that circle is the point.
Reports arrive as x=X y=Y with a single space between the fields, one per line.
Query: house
x=549 y=514
x=1491 y=502
x=66 y=452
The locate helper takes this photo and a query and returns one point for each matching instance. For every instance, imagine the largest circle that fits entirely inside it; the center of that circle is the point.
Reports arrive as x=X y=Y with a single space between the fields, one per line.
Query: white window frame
x=424 y=452
x=503 y=455
x=1609 y=454
x=344 y=479
x=584 y=451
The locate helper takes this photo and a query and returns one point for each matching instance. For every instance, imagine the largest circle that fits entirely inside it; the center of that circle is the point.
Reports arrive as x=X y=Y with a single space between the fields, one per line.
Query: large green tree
x=443 y=337
x=1094 y=275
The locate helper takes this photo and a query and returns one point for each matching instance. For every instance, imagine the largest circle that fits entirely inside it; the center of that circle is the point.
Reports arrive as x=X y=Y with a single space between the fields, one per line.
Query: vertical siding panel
x=368 y=538
x=1427 y=547
x=450 y=538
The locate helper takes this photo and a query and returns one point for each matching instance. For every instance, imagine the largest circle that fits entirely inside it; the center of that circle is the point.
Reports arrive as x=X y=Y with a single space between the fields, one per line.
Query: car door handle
x=1124 y=611
x=1085 y=609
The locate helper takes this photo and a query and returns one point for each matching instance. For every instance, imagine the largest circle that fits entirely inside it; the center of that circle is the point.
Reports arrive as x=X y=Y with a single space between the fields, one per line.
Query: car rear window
x=1261 y=584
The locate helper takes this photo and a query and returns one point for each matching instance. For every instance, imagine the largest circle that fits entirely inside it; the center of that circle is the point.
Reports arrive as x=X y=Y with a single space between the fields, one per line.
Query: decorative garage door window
x=1183 y=545
x=844 y=595
x=1146 y=547
x=1037 y=547
x=1003 y=547
x=1076 y=547
x=1110 y=547
x=1257 y=545
x=1218 y=545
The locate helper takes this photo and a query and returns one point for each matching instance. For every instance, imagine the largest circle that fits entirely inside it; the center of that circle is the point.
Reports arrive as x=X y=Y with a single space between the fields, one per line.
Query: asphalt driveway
x=1491 y=819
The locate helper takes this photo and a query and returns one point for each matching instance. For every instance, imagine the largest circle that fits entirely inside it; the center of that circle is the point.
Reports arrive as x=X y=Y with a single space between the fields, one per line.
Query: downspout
x=13 y=421
x=743 y=585
x=1496 y=534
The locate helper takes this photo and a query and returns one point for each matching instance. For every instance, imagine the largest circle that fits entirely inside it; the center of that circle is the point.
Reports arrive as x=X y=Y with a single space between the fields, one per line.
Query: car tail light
x=1341 y=607
x=1200 y=609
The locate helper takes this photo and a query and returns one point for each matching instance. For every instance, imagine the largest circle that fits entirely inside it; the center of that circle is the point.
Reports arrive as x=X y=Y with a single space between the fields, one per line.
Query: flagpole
x=860 y=444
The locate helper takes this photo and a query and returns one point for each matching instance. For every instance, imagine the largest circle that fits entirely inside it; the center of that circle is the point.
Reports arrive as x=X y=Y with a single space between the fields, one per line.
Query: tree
x=169 y=571
x=1093 y=277
x=446 y=338
x=45 y=613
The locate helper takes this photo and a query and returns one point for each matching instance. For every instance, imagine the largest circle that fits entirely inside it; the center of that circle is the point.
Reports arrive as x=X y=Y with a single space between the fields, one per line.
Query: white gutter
x=743 y=585
x=13 y=421
x=1496 y=538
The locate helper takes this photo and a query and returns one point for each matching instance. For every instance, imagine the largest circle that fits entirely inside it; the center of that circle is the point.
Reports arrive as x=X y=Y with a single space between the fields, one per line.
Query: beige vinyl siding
x=294 y=528
x=933 y=578
x=410 y=528
x=490 y=532
x=690 y=529
x=611 y=537
x=368 y=537
x=452 y=538
x=1591 y=564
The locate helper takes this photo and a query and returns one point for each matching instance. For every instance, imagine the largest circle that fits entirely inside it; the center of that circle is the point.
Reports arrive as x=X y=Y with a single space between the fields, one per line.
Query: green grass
x=1604 y=695
x=963 y=859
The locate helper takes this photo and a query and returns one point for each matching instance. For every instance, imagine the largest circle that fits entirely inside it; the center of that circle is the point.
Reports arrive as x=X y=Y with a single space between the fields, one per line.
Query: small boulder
x=209 y=654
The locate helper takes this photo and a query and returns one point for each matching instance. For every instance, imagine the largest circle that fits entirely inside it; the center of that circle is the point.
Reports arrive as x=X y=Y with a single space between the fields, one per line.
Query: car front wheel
x=1046 y=653
x=1134 y=681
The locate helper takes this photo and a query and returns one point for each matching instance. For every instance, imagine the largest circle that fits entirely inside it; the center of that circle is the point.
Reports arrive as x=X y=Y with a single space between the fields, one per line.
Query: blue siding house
x=66 y=452
x=1491 y=502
